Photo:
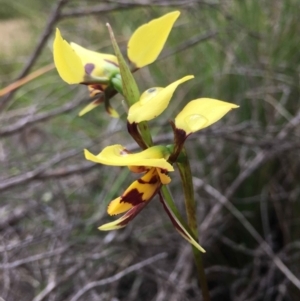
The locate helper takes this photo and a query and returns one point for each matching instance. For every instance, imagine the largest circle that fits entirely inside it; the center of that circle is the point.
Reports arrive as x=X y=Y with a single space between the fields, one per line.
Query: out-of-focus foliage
x=52 y=200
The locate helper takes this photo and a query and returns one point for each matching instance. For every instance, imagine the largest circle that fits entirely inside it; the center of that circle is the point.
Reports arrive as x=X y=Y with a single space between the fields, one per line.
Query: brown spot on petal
x=133 y=197
x=163 y=171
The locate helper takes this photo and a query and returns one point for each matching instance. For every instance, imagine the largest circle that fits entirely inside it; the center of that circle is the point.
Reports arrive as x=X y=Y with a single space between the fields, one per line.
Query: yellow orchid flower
x=201 y=113
x=153 y=163
x=77 y=65
x=139 y=191
x=153 y=102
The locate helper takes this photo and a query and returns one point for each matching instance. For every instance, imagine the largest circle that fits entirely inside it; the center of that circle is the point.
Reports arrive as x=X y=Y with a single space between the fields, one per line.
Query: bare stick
x=29 y=120
x=54 y=17
x=240 y=217
x=12 y=265
x=119 y=275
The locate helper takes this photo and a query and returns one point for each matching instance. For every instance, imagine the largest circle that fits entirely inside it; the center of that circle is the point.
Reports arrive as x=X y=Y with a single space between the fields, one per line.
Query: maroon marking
x=132 y=213
x=96 y=89
x=164 y=171
x=173 y=220
x=153 y=180
x=133 y=197
x=124 y=151
x=179 y=139
x=89 y=68
x=133 y=130
x=180 y=136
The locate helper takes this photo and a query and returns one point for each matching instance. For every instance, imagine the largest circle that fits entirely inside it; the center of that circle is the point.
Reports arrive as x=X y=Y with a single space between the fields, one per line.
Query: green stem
x=190 y=205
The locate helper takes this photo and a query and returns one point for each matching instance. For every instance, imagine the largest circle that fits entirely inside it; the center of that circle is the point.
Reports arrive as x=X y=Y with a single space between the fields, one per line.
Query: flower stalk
x=191 y=211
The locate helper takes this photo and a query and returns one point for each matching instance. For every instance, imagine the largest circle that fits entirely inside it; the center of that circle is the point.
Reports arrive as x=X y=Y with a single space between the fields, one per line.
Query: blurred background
x=245 y=167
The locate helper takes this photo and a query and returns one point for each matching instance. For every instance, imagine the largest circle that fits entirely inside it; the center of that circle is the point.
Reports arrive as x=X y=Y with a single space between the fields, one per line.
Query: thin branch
x=66 y=171
x=94 y=10
x=121 y=5
x=188 y=44
x=32 y=174
x=54 y=17
x=17 y=214
x=29 y=120
x=119 y=275
x=53 y=284
x=223 y=200
x=17 y=263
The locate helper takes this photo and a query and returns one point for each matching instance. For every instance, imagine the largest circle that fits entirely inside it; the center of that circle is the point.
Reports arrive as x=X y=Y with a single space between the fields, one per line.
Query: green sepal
x=130 y=88
x=116 y=82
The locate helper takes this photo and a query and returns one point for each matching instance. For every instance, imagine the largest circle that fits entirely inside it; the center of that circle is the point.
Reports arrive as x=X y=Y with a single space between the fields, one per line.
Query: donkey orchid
x=153 y=163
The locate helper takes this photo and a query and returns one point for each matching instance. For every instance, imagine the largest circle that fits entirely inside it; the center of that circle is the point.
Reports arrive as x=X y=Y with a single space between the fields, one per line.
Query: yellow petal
x=89 y=107
x=117 y=206
x=153 y=102
x=67 y=62
x=117 y=155
x=138 y=192
x=148 y=40
x=164 y=178
x=115 y=225
x=201 y=113
x=97 y=64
